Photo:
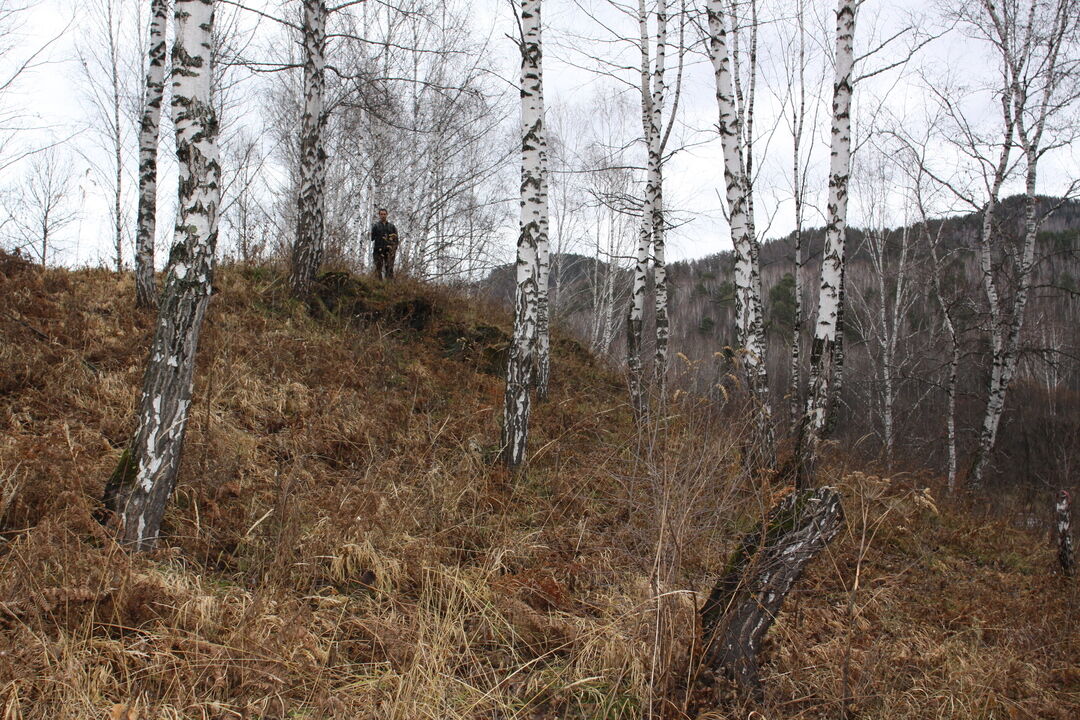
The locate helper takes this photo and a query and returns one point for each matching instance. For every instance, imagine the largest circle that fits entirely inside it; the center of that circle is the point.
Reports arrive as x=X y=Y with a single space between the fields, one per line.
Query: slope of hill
x=343 y=544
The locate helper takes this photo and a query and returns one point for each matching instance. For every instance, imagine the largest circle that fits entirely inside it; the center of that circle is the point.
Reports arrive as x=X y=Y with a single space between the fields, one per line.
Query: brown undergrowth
x=343 y=544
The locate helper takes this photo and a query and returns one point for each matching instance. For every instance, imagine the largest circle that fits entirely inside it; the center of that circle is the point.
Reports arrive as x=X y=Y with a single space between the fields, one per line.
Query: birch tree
x=543 y=271
x=653 y=126
x=40 y=207
x=1034 y=44
x=533 y=210
x=800 y=159
x=736 y=109
x=832 y=262
x=139 y=489
x=651 y=249
x=413 y=122
x=651 y=231
x=145 y=291
x=951 y=302
x=610 y=189
x=878 y=310
x=105 y=71
x=949 y=306
x=310 y=211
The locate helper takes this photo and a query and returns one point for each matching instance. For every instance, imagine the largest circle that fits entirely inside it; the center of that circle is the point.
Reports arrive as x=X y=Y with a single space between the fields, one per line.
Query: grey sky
x=52 y=96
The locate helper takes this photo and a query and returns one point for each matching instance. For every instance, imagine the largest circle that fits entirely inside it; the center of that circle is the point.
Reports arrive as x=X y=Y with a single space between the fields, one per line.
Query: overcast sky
x=51 y=98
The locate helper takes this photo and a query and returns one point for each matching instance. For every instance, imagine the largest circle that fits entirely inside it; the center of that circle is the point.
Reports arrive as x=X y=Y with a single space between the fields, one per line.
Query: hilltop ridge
x=343 y=543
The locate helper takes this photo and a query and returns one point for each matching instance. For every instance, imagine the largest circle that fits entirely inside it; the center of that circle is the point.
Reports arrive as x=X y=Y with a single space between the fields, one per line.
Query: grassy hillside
x=343 y=544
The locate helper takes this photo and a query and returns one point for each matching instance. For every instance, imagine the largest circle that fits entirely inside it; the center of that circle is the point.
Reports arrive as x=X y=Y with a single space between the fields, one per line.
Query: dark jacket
x=384 y=233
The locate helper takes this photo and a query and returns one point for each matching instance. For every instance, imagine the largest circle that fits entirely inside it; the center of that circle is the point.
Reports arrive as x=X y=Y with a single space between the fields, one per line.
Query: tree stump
x=746 y=599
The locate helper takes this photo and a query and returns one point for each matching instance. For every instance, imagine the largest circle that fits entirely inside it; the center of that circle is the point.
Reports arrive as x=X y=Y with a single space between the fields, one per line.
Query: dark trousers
x=384 y=260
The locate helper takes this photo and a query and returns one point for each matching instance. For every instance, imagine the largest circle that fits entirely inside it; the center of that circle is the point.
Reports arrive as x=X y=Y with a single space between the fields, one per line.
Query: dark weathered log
x=747 y=597
x=1065 y=544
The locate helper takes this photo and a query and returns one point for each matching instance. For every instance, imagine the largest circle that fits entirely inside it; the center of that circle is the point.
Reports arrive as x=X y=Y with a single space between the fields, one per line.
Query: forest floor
x=343 y=543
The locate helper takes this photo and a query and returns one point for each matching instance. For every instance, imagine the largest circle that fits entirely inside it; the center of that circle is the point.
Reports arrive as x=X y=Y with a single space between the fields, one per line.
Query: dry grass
x=342 y=544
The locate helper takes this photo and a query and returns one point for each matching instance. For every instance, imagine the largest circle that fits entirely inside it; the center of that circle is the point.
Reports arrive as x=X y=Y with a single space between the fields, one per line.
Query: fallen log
x=747 y=597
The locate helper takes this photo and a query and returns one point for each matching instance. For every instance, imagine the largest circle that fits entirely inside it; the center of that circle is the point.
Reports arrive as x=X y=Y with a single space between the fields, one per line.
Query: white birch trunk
x=749 y=314
x=654 y=188
x=519 y=361
x=543 y=269
x=1006 y=349
x=798 y=188
x=595 y=291
x=836 y=391
x=310 y=212
x=636 y=317
x=142 y=483
x=1028 y=117
x=950 y=393
x=730 y=138
x=610 y=314
x=145 y=290
x=795 y=383
x=951 y=330
x=832 y=265
x=117 y=135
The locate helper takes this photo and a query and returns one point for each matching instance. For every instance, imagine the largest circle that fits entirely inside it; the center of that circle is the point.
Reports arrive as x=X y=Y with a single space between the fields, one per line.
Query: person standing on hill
x=384 y=241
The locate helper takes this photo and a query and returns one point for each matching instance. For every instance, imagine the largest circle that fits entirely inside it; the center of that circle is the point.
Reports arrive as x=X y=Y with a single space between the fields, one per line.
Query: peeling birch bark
x=516 y=403
x=149 y=129
x=746 y=599
x=310 y=211
x=139 y=489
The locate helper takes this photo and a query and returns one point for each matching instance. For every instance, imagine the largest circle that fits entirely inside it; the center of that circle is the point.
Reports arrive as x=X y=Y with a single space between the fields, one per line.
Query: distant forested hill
x=1043 y=414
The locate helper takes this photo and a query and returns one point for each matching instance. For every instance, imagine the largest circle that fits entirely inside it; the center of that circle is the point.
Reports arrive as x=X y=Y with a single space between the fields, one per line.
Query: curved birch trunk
x=145 y=290
x=310 y=211
x=519 y=358
x=829 y=316
x=745 y=601
x=143 y=481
